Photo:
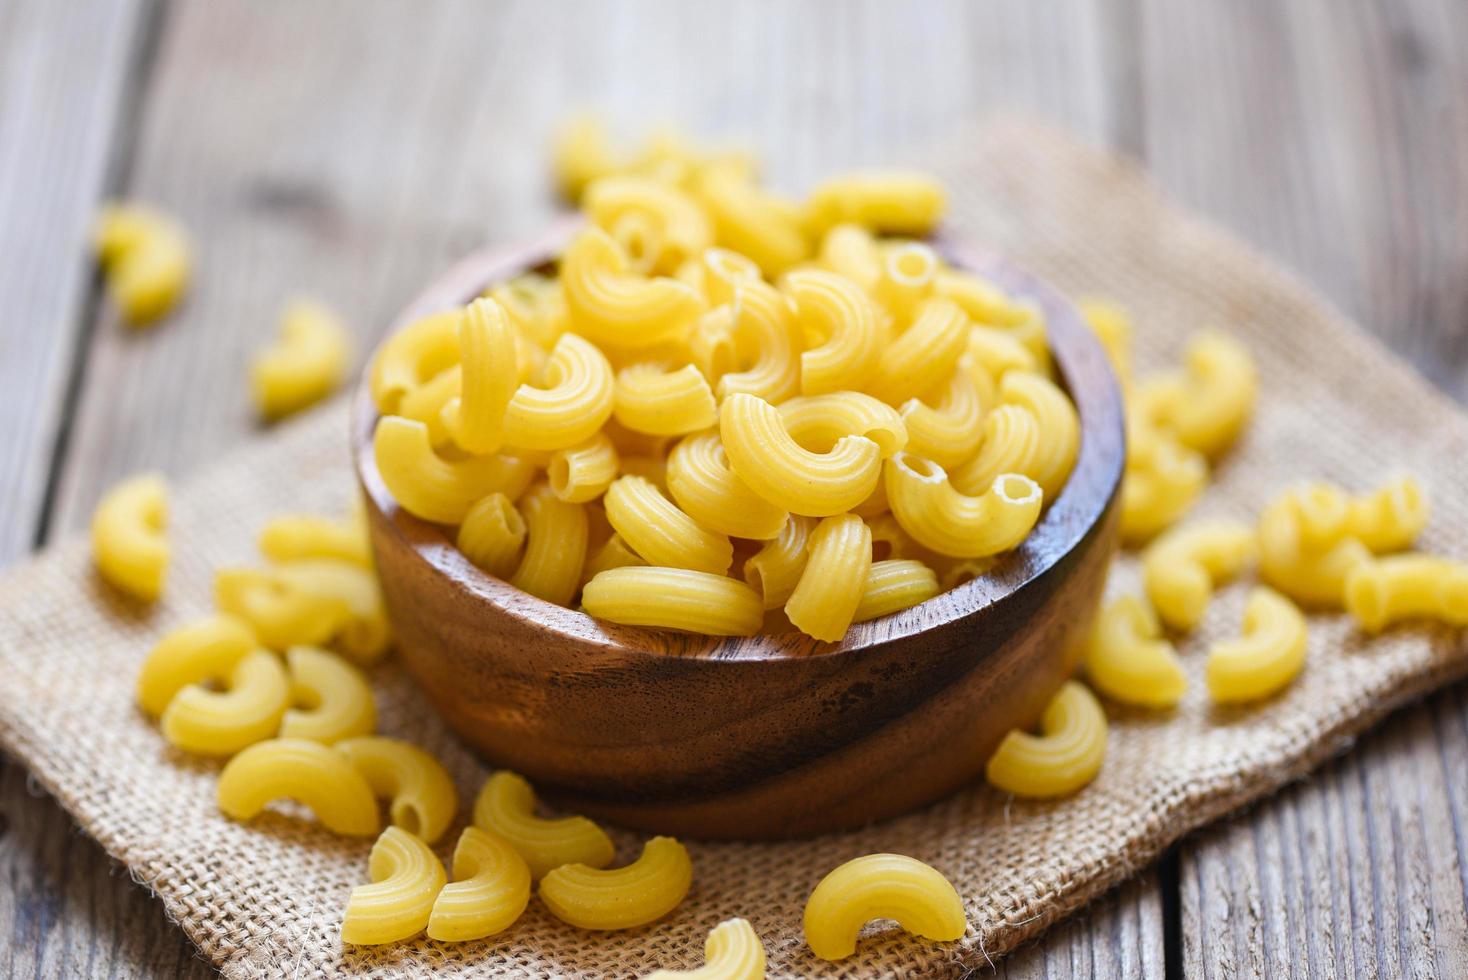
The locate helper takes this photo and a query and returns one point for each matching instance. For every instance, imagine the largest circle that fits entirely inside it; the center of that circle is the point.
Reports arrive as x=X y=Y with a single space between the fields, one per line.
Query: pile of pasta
x=725 y=406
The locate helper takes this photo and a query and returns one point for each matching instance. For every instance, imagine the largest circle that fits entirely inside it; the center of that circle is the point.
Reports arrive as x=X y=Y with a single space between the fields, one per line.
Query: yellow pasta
x=1303 y=551
x=506 y=807
x=364 y=633
x=611 y=304
x=583 y=472
x=1025 y=323
x=660 y=532
x=200 y=652
x=944 y=520
x=775 y=569
x=146 y=259
x=724 y=271
x=1408 y=586
x=733 y=951
x=752 y=221
x=764 y=337
x=220 y=723
x=651 y=398
x=1060 y=428
x=574 y=402
x=997 y=352
x=905 y=280
x=490 y=890
x=1207 y=407
x=298 y=769
x=1010 y=442
x=611 y=553
x=1061 y=760
x=431 y=402
x=777 y=468
x=894 y=202
x=620 y=898
x=289 y=536
x=675 y=217
x=881 y=886
x=1266 y=658
x=1128 y=659
x=536 y=306
x=412 y=356
x=834 y=579
x=406 y=879
x=1390 y=518
x=844 y=326
x=949 y=428
x=712 y=346
x=129 y=546
x=1161 y=482
x=421 y=796
x=851 y=250
x=333 y=699
x=818 y=422
x=555 y=549
x=893 y=585
x=924 y=355
x=674 y=598
x=983 y=301
x=705 y=486
x=433 y=488
x=279 y=613
x=889 y=540
x=582 y=153
x=1182 y=567
x=488 y=377
x=307 y=361
x=493 y=535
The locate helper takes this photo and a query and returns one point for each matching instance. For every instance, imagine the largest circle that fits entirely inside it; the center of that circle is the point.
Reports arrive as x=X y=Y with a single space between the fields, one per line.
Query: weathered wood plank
x=348 y=150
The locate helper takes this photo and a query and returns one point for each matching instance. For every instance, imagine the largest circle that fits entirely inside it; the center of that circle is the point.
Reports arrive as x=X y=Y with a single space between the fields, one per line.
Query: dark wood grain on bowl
x=770 y=736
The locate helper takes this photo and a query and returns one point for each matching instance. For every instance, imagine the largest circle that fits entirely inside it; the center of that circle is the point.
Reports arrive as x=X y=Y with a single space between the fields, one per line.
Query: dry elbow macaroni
x=1128 y=659
x=733 y=951
x=620 y=898
x=1266 y=657
x=506 y=807
x=146 y=260
x=881 y=886
x=299 y=769
x=421 y=796
x=1182 y=567
x=129 y=545
x=490 y=888
x=407 y=878
x=307 y=361
x=1063 y=758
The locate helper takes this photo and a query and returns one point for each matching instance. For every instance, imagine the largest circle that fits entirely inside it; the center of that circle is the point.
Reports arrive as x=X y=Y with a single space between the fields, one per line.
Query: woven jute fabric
x=265 y=899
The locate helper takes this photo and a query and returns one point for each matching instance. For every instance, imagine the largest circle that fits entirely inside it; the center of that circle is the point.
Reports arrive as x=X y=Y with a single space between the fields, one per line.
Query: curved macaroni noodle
x=1060 y=429
x=1182 y=567
x=279 y=613
x=751 y=221
x=705 y=486
x=1207 y=407
x=950 y=428
x=893 y=585
x=952 y=523
x=845 y=326
x=220 y=723
x=775 y=569
x=295 y=768
x=881 y=886
x=895 y=202
x=650 y=398
x=490 y=890
x=433 y=488
x=1266 y=658
x=406 y=879
x=1010 y=442
x=146 y=258
x=1112 y=325
x=676 y=217
x=129 y=546
x=1300 y=555
x=851 y=251
x=575 y=401
x=1161 y=482
x=488 y=377
x=364 y=633
x=421 y=796
x=506 y=807
x=733 y=951
x=818 y=422
x=493 y=535
x=289 y=536
x=924 y=355
x=834 y=579
x=412 y=356
x=1397 y=587
x=306 y=362
x=674 y=598
x=905 y=278
x=1128 y=659
x=333 y=699
x=764 y=338
x=611 y=304
x=620 y=898
x=1390 y=518
x=583 y=472
x=206 y=650
x=660 y=533
x=612 y=553
x=1060 y=761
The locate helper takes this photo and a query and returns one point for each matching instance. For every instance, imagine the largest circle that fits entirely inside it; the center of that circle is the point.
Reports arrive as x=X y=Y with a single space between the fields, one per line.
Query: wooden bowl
x=768 y=736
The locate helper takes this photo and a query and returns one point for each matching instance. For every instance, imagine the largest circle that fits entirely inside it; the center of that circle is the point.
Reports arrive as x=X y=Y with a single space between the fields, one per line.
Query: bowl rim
x=1065 y=525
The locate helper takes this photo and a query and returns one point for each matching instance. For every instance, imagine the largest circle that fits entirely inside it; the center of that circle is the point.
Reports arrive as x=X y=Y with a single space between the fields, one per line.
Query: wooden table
x=348 y=149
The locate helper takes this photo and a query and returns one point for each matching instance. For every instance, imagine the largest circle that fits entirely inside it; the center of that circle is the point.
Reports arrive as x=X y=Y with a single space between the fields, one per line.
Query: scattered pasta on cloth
x=266 y=899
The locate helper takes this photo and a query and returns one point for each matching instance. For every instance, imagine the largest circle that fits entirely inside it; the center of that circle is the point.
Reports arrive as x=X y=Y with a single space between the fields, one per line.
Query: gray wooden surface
x=347 y=149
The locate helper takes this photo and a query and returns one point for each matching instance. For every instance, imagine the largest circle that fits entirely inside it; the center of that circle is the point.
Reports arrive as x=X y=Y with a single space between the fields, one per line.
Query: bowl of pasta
x=713 y=539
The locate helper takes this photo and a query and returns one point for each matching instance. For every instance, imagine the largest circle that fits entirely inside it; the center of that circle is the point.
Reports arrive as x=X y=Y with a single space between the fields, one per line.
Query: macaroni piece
x=834 y=580
x=206 y=650
x=431 y=403
x=1182 y=568
x=733 y=951
x=876 y=503
x=1112 y=325
x=984 y=302
x=1391 y=518
x=752 y=221
x=950 y=428
x=1266 y=658
x=406 y=879
x=1161 y=482
x=817 y=422
x=490 y=890
x=421 y=796
x=998 y=353
x=612 y=553
x=1209 y=406
x=488 y=375
x=537 y=306
x=924 y=355
x=765 y=340
x=651 y=398
x=905 y=279
x=582 y=153
x=895 y=202
x=676 y=218
x=1010 y=442
x=493 y=535
x=845 y=326
x=705 y=486
x=657 y=530
x=333 y=699
x=294 y=768
x=129 y=546
x=620 y=898
x=1296 y=554
x=775 y=569
x=956 y=524
x=575 y=402
x=281 y=614
x=555 y=546
x=881 y=886
x=889 y=540
x=724 y=271
x=506 y=807
x=583 y=472
x=712 y=345
x=611 y=304
x=776 y=467
x=412 y=356
x=1128 y=659
x=146 y=259
x=220 y=723
x=365 y=634
x=674 y=598
x=1060 y=429
x=894 y=585
x=433 y=488
x=641 y=239
x=1408 y=586
x=1026 y=324
x=307 y=361
x=851 y=251
x=289 y=536
x=1061 y=760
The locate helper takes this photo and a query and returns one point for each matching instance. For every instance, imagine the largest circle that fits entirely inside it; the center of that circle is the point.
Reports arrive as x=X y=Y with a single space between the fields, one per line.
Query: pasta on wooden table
x=146 y=260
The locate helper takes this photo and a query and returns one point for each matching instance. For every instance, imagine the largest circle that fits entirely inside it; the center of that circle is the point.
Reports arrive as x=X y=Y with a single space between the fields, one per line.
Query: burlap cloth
x=265 y=900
